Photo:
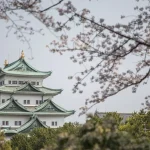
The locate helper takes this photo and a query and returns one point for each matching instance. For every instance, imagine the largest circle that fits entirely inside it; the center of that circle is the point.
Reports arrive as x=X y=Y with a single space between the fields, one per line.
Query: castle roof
x=51 y=107
x=26 y=88
x=22 y=68
x=33 y=122
x=12 y=105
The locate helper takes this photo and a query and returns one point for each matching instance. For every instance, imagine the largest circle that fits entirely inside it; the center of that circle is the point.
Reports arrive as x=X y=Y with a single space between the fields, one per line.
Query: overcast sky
x=62 y=66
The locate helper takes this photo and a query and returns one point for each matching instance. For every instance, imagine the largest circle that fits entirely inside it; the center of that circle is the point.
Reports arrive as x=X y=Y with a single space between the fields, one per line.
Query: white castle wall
x=4 y=96
x=2 y=78
x=24 y=119
x=30 y=97
x=50 y=119
x=7 y=78
x=21 y=97
x=45 y=97
x=12 y=120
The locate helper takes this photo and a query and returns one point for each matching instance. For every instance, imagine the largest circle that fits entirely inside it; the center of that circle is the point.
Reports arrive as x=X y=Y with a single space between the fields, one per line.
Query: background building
x=124 y=116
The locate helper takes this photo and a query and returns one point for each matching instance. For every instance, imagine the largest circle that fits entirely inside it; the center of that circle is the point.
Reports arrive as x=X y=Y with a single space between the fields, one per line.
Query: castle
x=24 y=102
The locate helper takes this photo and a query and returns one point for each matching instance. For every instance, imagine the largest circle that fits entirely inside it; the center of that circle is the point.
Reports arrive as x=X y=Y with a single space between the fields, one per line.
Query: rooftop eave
x=66 y=114
x=15 y=113
x=24 y=75
x=1 y=73
x=10 y=92
x=10 y=69
x=54 y=113
x=52 y=94
x=28 y=92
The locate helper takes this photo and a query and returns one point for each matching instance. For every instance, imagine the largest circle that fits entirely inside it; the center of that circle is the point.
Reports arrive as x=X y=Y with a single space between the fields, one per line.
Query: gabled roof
x=33 y=122
x=50 y=91
x=11 y=105
x=51 y=107
x=30 y=88
x=21 y=68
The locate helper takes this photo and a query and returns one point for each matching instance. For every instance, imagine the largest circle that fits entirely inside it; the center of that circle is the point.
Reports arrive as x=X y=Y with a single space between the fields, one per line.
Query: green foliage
x=107 y=133
x=138 y=124
x=100 y=136
x=4 y=145
x=116 y=117
x=21 y=142
x=40 y=137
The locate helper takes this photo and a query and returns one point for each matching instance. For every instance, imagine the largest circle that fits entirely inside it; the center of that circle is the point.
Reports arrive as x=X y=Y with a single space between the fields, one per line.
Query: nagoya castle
x=24 y=102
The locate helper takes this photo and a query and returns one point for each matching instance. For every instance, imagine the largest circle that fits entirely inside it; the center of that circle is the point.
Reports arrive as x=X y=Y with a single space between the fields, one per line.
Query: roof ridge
x=40 y=106
x=16 y=65
x=17 y=68
x=52 y=89
x=11 y=63
x=34 y=68
x=48 y=101
x=4 y=105
x=28 y=84
x=32 y=119
x=57 y=106
x=11 y=99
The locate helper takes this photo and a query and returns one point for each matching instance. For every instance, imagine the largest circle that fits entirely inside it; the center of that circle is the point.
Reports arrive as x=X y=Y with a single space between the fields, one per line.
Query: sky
x=62 y=66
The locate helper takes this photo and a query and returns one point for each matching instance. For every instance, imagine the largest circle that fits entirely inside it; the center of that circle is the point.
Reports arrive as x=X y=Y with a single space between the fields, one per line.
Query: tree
x=96 y=133
x=138 y=124
x=40 y=137
x=116 y=117
x=21 y=142
x=4 y=145
x=16 y=12
x=109 y=45
x=100 y=135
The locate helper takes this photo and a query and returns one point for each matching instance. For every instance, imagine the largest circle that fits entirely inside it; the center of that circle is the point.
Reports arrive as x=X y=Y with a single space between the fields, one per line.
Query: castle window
x=3 y=100
x=17 y=123
x=37 y=83
x=52 y=123
x=25 y=102
x=55 y=123
x=28 y=101
x=38 y=102
x=5 y=123
x=3 y=82
x=21 y=82
x=9 y=82
x=14 y=82
x=33 y=83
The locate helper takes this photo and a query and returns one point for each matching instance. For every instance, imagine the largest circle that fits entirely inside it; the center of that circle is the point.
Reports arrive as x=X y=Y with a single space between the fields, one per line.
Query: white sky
x=62 y=66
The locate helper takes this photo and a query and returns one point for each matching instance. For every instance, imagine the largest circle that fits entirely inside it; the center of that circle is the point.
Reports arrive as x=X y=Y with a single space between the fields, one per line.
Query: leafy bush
x=107 y=133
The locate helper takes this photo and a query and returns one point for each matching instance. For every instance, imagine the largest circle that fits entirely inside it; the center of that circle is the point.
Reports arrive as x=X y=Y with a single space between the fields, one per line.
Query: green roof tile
x=29 y=88
x=21 y=67
x=33 y=122
x=50 y=106
x=12 y=105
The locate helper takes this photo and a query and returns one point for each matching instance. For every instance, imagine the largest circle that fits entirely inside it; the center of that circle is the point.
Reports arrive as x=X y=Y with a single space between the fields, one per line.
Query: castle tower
x=24 y=102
